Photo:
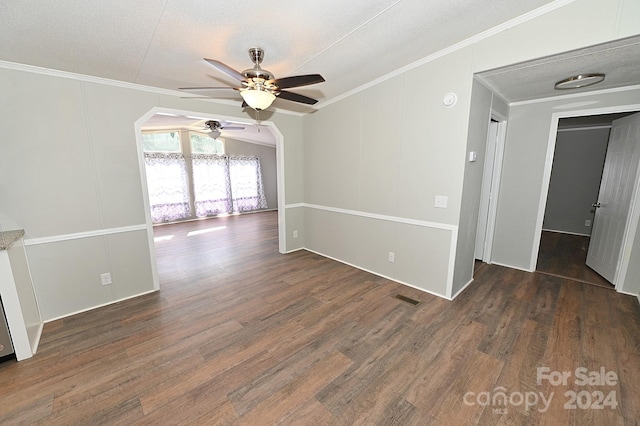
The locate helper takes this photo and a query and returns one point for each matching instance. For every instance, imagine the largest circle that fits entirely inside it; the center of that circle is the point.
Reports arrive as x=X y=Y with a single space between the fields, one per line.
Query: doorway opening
x=573 y=232
x=245 y=143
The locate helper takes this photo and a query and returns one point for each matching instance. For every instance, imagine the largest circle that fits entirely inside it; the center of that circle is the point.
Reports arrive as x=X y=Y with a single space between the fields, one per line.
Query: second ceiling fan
x=214 y=128
x=259 y=88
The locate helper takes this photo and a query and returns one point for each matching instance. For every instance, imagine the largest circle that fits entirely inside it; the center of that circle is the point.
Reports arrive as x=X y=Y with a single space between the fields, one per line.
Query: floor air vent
x=407 y=299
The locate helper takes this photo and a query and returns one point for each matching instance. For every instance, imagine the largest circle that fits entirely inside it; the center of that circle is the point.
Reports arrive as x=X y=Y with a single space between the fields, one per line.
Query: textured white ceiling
x=161 y=43
x=619 y=60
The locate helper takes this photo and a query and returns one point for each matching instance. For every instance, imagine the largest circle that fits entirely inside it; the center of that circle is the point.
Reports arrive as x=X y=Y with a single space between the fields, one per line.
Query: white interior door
x=614 y=200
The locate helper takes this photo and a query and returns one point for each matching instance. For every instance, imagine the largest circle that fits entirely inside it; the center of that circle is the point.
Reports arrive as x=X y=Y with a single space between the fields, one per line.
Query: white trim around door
x=546 y=178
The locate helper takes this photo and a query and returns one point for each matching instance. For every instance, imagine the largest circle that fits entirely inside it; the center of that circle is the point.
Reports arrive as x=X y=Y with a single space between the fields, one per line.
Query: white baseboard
x=377 y=274
x=196 y=219
x=295 y=250
x=511 y=266
x=629 y=294
x=37 y=337
x=462 y=289
x=99 y=306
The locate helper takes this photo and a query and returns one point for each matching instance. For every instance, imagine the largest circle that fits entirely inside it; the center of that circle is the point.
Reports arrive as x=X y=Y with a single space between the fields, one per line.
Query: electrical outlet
x=392 y=257
x=295 y=234
x=587 y=222
x=105 y=278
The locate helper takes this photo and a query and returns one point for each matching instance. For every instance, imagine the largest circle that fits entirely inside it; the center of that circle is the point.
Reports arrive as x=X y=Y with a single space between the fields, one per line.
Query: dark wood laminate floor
x=565 y=255
x=240 y=334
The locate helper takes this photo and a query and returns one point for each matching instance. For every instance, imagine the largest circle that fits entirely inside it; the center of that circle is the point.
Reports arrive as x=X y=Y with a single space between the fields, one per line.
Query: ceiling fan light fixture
x=258 y=87
x=215 y=134
x=257 y=99
x=580 y=80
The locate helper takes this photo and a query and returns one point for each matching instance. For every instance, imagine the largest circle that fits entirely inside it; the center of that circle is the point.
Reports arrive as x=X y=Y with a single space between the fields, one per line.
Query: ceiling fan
x=259 y=88
x=214 y=128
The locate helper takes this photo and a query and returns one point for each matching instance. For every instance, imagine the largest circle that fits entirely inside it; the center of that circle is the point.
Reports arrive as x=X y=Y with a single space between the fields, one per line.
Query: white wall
x=70 y=177
x=632 y=280
x=371 y=181
x=483 y=101
x=575 y=179
x=389 y=149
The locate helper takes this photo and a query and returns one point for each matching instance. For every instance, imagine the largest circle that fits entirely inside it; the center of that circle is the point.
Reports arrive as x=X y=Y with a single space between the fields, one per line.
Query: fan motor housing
x=213 y=125
x=258 y=73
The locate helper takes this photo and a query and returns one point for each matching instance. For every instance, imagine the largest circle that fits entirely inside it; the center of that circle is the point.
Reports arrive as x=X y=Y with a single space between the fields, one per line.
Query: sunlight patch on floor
x=205 y=231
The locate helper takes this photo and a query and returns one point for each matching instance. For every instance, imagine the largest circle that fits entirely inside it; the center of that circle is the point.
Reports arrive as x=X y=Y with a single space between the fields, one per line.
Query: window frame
x=221 y=141
x=179 y=135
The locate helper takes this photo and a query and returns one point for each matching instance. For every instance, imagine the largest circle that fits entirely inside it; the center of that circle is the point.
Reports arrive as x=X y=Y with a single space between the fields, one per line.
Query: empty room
x=329 y=213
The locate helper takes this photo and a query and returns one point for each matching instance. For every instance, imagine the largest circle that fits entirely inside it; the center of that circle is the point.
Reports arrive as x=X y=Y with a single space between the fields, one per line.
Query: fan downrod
x=256 y=54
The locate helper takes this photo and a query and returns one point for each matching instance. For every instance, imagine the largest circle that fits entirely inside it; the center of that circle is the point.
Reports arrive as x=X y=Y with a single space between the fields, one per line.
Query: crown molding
x=122 y=84
x=453 y=48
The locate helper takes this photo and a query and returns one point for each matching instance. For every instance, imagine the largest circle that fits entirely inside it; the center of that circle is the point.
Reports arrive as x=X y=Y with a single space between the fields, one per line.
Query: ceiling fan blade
x=297 y=81
x=295 y=97
x=232 y=128
x=204 y=89
x=226 y=69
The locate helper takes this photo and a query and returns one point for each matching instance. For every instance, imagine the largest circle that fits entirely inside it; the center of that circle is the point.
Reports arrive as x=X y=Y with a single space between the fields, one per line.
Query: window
x=167 y=180
x=161 y=142
x=246 y=184
x=226 y=184
x=205 y=183
x=204 y=144
x=211 y=187
x=168 y=186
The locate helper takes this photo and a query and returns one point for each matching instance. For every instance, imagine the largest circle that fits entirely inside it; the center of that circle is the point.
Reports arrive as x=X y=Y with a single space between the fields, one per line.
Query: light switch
x=473 y=156
x=441 y=201
x=105 y=278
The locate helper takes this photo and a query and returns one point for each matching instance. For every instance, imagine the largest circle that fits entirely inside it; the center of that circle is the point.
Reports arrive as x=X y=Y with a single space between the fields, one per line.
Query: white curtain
x=226 y=184
x=168 y=187
x=247 y=190
x=211 y=187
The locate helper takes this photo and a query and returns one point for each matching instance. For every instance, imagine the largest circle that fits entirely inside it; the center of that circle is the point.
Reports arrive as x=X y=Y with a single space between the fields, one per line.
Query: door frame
x=634 y=214
x=493 y=191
